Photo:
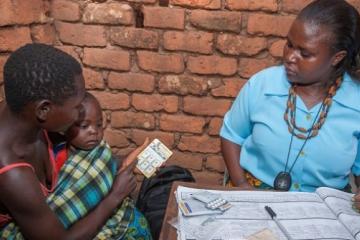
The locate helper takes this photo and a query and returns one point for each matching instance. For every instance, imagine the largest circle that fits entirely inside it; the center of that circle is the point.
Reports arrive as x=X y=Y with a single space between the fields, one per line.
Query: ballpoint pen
x=273 y=217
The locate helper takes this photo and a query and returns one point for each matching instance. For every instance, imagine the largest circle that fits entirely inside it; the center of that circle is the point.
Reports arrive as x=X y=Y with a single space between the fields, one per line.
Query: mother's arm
x=231 y=154
x=22 y=196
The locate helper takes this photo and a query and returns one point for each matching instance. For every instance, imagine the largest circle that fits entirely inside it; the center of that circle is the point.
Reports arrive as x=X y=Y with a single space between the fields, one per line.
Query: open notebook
x=324 y=214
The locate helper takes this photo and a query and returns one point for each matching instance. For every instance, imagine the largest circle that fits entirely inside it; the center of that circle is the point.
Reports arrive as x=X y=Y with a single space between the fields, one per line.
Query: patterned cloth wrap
x=86 y=178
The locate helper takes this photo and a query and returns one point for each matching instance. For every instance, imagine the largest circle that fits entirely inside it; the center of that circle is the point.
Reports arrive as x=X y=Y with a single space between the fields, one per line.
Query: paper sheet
x=304 y=215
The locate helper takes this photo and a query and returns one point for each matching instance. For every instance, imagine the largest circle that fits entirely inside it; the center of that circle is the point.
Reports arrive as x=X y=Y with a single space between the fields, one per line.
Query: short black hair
x=38 y=71
x=342 y=20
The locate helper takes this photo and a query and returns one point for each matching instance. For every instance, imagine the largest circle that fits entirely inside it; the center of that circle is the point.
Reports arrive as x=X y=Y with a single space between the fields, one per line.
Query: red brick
x=107 y=58
x=151 y=61
x=134 y=37
x=81 y=35
x=250 y=66
x=194 y=41
x=230 y=88
x=212 y=65
x=208 y=178
x=215 y=163
x=3 y=59
x=263 y=5
x=115 y=138
x=112 y=101
x=108 y=13
x=161 y=17
x=131 y=81
x=207 y=4
x=202 y=144
x=294 y=6
x=73 y=51
x=43 y=34
x=215 y=126
x=13 y=38
x=132 y=120
x=93 y=79
x=22 y=12
x=237 y=45
x=216 y=20
x=186 y=160
x=139 y=136
x=206 y=106
x=155 y=102
x=183 y=85
x=181 y=123
x=277 y=48
x=266 y=24
x=65 y=10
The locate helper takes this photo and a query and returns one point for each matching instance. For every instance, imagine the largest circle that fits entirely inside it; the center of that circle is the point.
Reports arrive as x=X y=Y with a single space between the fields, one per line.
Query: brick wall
x=160 y=68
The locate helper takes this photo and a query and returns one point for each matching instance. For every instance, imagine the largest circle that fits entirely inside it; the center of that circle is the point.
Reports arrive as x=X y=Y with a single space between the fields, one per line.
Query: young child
x=86 y=148
x=85 y=134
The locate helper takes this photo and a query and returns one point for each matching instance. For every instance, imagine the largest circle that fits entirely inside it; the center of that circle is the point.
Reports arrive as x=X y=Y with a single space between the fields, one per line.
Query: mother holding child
x=88 y=198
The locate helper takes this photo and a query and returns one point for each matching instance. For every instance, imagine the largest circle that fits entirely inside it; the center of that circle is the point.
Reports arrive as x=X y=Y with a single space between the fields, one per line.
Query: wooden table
x=167 y=231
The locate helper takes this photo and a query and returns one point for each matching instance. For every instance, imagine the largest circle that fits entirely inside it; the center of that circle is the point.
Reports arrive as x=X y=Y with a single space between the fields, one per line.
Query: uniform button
x=296 y=185
x=302 y=154
x=308 y=117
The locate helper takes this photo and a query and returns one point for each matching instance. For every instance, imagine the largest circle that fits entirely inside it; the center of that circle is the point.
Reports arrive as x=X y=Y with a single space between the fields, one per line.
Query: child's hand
x=132 y=157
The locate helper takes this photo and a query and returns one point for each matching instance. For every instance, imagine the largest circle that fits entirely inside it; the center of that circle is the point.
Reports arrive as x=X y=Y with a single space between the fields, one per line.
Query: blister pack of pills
x=212 y=201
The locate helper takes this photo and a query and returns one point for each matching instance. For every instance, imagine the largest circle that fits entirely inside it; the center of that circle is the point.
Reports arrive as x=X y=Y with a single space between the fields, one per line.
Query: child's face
x=87 y=132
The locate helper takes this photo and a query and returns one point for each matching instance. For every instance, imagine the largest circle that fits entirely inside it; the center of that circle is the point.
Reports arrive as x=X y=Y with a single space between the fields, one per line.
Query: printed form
x=324 y=214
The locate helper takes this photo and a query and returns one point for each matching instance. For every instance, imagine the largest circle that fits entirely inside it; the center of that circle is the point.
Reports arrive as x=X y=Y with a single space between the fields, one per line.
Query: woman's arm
x=231 y=154
x=22 y=196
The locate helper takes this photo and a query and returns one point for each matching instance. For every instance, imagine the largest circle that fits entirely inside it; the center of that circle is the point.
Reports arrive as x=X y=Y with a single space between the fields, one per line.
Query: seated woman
x=297 y=126
x=44 y=89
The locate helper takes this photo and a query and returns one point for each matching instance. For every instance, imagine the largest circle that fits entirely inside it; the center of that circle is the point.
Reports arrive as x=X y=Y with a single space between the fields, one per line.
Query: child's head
x=87 y=132
x=45 y=85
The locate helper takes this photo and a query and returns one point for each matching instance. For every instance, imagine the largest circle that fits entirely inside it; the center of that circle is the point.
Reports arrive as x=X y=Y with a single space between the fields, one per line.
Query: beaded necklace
x=283 y=179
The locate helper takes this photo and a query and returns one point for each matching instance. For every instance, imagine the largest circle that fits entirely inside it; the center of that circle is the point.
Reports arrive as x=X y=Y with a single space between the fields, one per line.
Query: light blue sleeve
x=356 y=167
x=237 y=122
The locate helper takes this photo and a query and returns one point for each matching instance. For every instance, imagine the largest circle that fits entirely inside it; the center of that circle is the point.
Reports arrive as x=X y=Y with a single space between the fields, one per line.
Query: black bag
x=154 y=194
